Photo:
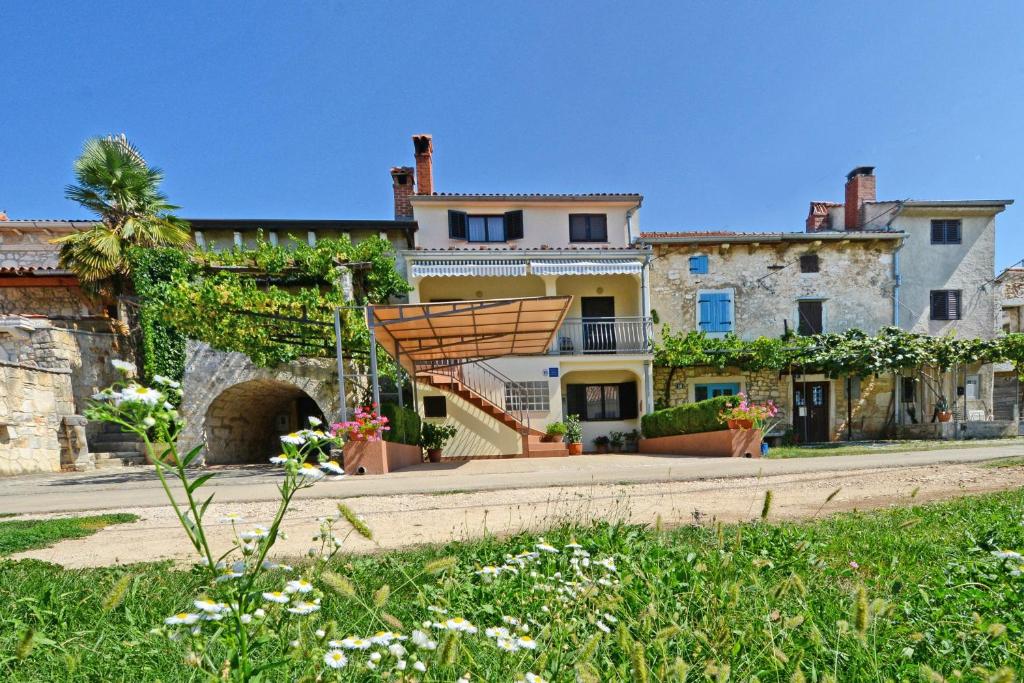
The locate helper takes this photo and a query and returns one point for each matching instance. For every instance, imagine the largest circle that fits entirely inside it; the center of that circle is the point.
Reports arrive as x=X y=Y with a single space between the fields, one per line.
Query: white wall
x=545 y=224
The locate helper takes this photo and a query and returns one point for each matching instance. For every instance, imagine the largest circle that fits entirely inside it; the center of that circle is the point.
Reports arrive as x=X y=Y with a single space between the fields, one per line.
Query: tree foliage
x=123 y=192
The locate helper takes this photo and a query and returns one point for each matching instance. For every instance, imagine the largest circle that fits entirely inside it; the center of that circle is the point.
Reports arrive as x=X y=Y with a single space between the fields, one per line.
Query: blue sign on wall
x=552 y=372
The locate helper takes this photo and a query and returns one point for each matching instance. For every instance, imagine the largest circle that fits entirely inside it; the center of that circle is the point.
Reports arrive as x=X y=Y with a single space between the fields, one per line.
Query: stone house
x=1008 y=393
x=925 y=266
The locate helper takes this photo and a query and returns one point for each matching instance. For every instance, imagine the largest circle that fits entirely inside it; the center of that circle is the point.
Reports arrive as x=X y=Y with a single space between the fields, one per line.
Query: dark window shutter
x=513 y=225
x=435 y=406
x=945 y=304
x=953 y=304
x=599 y=227
x=700 y=392
x=628 y=408
x=810 y=317
x=576 y=400
x=457 y=225
x=809 y=263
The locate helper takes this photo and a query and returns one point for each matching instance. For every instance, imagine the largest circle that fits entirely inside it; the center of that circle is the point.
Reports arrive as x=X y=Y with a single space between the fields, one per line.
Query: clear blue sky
x=724 y=115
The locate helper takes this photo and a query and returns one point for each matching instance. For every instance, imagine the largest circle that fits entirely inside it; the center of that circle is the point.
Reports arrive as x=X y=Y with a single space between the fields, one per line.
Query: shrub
x=573 y=429
x=435 y=436
x=556 y=429
x=404 y=423
x=691 y=418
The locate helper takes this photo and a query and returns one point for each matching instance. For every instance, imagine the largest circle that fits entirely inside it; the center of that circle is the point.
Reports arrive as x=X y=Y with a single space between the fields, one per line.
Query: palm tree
x=116 y=184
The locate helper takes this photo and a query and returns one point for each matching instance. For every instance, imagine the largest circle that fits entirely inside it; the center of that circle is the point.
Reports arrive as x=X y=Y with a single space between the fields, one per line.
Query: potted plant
x=574 y=434
x=746 y=414
x=434 y=437
x=601 y=444
x=555 y=432
x=942 y=410
x=616 y=441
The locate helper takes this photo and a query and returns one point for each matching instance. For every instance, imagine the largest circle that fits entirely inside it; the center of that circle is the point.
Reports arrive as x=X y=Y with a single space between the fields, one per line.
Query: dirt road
x=408 y=519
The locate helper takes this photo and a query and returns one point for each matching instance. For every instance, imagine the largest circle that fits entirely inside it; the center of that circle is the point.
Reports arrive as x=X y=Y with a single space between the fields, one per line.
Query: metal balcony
x=586 y=336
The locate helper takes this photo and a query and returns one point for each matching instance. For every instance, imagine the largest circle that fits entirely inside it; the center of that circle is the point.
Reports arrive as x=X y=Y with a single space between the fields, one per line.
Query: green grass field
x=910 y=594
x=18 y=535
x=866 y=448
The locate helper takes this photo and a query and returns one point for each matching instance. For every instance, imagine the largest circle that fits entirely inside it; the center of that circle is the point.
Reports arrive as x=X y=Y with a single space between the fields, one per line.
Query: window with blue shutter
x=715 y=312
x=698 y=265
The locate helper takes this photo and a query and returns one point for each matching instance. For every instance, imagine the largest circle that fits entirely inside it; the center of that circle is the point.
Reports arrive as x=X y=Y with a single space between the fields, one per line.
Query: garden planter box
x=379 y=457
x=727 y=443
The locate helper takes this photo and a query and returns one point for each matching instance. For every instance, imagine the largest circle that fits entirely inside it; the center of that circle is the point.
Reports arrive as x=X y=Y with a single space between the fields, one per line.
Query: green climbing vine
x=273 y=304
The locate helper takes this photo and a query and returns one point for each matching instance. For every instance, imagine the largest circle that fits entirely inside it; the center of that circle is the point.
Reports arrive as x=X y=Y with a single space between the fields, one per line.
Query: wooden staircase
x=455 y=381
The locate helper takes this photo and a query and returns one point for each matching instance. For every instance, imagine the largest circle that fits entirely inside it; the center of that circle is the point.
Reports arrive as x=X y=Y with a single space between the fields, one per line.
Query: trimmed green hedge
x=691 y=418
x=404 y=423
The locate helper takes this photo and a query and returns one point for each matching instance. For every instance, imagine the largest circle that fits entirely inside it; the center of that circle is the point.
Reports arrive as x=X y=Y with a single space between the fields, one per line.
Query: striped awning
x=467 y=267
x=586 y=267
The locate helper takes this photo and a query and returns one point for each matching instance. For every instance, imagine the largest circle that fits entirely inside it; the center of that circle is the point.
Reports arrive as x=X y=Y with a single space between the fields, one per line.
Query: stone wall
x=53 y=302
x=854 y=283
x=33 y=405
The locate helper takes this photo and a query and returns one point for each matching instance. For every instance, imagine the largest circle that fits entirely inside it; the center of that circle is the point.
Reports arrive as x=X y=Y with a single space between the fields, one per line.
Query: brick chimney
x=424 y=146
x=860 y=188
x=402 y=184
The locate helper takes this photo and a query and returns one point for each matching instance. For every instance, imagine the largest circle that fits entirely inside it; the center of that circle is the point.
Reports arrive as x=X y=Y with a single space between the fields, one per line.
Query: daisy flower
x=608 y=563
x=232 y=517
x=352 y=643
x=182 y=618
x=497 y=632
x=333 y=467
x=527 y=643
x=546 y=548
x=397 y=650
x=208 y=605
x=145 y=395
x=507 y=645
x=375 y=657
x=298 y=586
x=309 y=471
x=123 y=366
x=315 y=421
x=459 y=624
x=532 y=678
x=422 y=640
x=335 y=659
x=419 y=666
x=1007 y=555
x=276 y=596
x=256 y=532
x=489 y=571
x=303 y=607
x=295 y=438
x=382 y=638
x=279 y=459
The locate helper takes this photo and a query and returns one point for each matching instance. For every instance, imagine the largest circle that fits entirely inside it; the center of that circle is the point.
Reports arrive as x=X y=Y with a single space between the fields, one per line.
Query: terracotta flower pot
x=732 y=424
x=945 y=416
x=745 y=424
x=601 y=449
x=575 y=448
x=434 y=454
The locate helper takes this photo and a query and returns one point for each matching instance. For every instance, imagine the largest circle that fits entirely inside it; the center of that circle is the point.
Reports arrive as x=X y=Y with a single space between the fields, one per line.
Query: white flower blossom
x=315 y=421
x=302 y=607
x=295 y=438
x=527 y=643
x=138 y=394
x=310 y=472
x=459 y=624
x=182 y=618
x=332 y=466
x=298 y=586
x=419 y=666
x=123 y=366
x=276 y=596
x=335 y=659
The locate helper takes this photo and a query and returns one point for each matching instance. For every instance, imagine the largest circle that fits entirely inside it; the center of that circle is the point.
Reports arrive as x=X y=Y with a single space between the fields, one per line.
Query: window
x=588 y=227
x=945 y=304
x=809 y=263
x=946 y=232
x=698 y=264
x=496 y=228
x=702 y=392
x=909 y=389
x=435 y=406
x=594 y=402
x=532 y=395
x=810 y=317
x=714 y=312
x=971 y=385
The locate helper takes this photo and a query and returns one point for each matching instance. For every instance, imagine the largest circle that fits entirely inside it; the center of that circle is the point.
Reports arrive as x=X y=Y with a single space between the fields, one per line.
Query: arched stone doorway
x=245 y=422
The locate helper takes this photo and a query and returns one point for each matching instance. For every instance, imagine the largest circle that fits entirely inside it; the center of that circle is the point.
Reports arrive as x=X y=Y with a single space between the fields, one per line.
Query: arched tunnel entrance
x=245 y=422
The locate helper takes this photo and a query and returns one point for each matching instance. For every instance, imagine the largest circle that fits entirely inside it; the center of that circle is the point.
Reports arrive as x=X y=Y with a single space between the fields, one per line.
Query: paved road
x=139 y=487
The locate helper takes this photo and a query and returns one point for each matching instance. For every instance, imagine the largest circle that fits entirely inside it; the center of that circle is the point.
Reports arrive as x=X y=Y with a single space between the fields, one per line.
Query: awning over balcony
x=461 y=331
x=467 y=267
x=586 y=267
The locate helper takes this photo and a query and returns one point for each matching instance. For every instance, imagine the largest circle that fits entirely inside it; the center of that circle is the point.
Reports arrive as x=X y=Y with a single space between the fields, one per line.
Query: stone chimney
x=402 y=184
x=818 y=217
x=424 y=146
x=860 y=188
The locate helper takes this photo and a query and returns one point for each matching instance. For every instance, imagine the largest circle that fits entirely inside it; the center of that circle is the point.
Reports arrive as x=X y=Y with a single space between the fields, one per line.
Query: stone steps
x=117 y=460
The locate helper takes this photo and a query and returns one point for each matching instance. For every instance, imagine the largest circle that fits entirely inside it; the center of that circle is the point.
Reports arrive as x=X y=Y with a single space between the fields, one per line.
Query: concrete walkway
x=139 y=487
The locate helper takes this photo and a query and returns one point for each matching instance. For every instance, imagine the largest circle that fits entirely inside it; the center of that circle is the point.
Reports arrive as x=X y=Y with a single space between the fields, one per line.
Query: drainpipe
x=897 y=279
x=629 y=223
x=645 y=306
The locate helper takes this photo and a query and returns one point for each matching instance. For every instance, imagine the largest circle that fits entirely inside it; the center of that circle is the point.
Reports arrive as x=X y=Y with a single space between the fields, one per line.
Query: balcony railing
x=584 y=336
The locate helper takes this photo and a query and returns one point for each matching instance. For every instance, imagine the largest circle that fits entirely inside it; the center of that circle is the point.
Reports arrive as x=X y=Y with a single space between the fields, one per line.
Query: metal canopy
x=460 y=331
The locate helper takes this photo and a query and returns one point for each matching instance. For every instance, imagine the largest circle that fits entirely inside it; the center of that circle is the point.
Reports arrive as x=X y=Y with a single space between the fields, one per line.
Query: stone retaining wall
x=33 y=404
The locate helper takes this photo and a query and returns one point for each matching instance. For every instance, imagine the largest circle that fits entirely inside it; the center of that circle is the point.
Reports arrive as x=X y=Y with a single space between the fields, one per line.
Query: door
x=811 y=411
x=598 y=323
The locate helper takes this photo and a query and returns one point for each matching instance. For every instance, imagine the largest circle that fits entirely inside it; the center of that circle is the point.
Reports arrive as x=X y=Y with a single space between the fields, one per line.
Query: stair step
x=108 y=460
x=547 y=446
x=116 y=445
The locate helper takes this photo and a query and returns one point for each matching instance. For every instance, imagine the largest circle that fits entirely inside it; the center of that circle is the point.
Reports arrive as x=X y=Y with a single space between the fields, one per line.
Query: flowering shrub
x=745 y=410
x=368 y=425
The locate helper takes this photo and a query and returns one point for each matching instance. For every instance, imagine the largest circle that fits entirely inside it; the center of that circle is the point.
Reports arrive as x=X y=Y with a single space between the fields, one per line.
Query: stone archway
x=245 y=422
x=224 y=388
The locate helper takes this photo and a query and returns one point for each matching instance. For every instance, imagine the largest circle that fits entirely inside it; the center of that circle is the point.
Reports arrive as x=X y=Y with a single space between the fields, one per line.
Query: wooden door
x=811 y=416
